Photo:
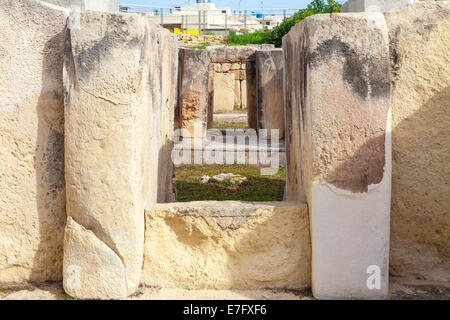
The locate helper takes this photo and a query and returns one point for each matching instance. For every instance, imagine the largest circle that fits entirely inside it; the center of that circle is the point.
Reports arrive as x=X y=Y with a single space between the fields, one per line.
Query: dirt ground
x=400 y=289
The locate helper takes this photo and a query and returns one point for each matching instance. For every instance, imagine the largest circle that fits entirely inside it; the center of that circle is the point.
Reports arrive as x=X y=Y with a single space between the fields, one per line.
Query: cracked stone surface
x=231 y=244
x=117 y=124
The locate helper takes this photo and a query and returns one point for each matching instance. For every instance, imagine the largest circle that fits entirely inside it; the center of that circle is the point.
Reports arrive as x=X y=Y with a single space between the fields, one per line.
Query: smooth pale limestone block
x=224 y=92
x=244 y=94
x=338 y=86
x=237 y=93
x=269 y=92
x=115 y=65
x=193 y=96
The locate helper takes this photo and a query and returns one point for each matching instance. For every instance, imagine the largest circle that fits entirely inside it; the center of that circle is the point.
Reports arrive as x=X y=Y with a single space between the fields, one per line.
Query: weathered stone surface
x=115 y=68
x=338 y=104
x=244 y=94
x=269 y=92
x=232 y=54
x=225 y=67
x=251 y=101
x=94 y=5
x=95 y=266
x=224 y=92
x=32 y=188
x=420 y=66
x=164 y=100
x=264 y=46
x=100 y=5
x=374 y=5
x=240 y=75
x=227 y=245
x=212 y=73
x=237 y=93
x=194 y=70
x=235 y=66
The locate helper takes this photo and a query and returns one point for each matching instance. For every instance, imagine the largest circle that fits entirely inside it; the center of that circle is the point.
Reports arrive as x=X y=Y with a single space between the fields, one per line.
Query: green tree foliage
x=275 y=36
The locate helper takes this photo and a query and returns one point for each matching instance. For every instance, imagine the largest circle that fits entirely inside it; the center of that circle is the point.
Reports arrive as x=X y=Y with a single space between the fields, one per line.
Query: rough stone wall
x=119 y=111
x=227 y=245
x=420 y=67
x=32 y=188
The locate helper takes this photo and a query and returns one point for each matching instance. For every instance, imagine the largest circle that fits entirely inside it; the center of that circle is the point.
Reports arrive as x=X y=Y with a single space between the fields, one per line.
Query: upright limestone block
x=193 y=83
x=224 y=91
x=270 y=97
x=162 y=94
x=338 y=94
x=32 y=188
x=114 y=70
x=250 y=94
x=210 y=116
x=420 y=71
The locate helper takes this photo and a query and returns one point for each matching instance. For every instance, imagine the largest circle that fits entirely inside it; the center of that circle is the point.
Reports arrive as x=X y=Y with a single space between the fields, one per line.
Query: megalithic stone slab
x=193 y=83
x=92 y=5
x=113 y=99
x=374 y=5
x=224 y=84
x=420 y=98
x=338 y=84
x=269 y=92
x=227 y=245
x=32 y=187
x=250 y=99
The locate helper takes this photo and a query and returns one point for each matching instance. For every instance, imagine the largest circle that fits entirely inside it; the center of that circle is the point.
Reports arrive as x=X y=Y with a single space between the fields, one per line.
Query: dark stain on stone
x=67 y=48
x=88 y=57
x=363 y=169
x=396 y=58
x=54 y=159
x=367 y=75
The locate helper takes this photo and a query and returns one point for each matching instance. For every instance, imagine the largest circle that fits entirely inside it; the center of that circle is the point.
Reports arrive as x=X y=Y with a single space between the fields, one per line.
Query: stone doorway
x=228 y=103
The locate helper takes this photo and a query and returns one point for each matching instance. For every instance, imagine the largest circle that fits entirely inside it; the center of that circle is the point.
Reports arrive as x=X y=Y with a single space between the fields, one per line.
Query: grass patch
x=237 y=109
x=202 y=46
x=226 y=125
x=257 y=37
x=257 y=188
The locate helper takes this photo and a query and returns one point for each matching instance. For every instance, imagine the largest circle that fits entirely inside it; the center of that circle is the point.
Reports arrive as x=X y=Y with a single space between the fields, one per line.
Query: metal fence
x=201 y=20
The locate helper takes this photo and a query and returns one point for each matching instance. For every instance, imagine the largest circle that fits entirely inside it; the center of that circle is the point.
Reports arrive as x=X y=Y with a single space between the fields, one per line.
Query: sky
x=226 y=3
